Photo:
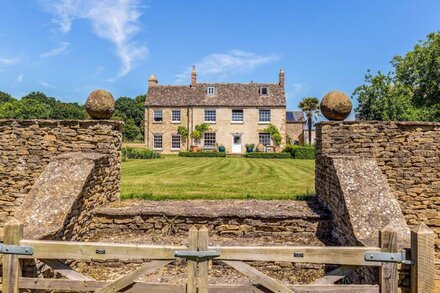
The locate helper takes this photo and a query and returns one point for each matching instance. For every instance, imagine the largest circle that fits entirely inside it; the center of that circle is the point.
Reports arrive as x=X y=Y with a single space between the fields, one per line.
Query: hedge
x=300 y=152
x=138 y=153
x=268 y=155
x=202 y=154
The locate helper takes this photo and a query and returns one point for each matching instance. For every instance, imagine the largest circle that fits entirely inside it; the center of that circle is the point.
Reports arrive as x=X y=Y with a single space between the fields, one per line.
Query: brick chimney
x=193 y=76
x=281 y=83
x=152 y=80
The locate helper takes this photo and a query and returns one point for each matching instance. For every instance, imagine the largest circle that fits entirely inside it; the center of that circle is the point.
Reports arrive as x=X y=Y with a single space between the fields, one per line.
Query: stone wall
x=27 y=147
x=295 y=131
x=407 y=153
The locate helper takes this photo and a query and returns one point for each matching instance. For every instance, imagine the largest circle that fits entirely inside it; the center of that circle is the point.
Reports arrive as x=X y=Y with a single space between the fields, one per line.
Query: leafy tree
x=410 y=92
x=274 y=133
x=131 y=111
x=310 y=107
x=131 y=131
x=5 y=97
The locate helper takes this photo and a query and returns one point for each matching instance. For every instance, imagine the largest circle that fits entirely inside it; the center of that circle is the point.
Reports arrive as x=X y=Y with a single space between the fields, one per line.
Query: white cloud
x=223 y=64
x=8 y=61
x=114 y=20
x=47 y=85
x=56 y=51
x=20 y=78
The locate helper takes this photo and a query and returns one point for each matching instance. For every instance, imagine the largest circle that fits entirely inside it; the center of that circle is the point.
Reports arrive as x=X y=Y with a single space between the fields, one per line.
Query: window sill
x=237 y=122
x=209 y=122
x=175 y=150
x=157 y=122
x=176 y=122
x=263 y=122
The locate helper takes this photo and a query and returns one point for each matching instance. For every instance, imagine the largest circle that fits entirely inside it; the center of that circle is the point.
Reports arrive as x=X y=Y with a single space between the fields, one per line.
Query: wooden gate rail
x=349 y=258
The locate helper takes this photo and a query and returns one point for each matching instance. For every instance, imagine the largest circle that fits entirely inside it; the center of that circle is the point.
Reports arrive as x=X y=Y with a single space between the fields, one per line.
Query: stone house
x=237 y=114
x=295 y=124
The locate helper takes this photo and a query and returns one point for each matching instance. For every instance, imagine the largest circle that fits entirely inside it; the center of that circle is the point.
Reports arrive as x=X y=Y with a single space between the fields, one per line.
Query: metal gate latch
x=16 y=249
x=197 y=256
x=399 y=257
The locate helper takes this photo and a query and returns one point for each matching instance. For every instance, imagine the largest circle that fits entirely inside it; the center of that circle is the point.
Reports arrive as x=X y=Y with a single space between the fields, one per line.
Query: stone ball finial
x=100 y=104
x=336 y=106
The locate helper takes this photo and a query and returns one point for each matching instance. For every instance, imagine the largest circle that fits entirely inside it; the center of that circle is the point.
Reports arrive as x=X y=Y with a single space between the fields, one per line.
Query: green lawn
x=173 y=177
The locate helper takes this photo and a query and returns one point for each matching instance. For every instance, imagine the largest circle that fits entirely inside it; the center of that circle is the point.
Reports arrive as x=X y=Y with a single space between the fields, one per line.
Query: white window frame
x=261 y=91
x=210 y=116
x=234 y=119
x=173 y=137
x=260 y=135
x=172 y=116
x=260 y=116
x=154 y=141
x=210 y=91
x=212 y=139
x=155 y=112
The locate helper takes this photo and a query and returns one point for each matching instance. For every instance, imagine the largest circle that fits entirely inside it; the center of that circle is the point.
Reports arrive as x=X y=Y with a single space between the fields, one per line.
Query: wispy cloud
x=8 y=61
x=56 y=51
x=46 y=85
x=20 y=78
x=114 y=20
x=222 y=65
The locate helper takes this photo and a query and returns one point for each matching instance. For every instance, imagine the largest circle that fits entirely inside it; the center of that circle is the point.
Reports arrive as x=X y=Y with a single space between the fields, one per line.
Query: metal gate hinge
x=197 y=256
x=16 y=249
x=399 y=257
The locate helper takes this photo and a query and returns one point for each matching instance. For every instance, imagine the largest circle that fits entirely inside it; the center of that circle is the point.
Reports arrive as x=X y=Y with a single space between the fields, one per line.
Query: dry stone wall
x=27 y=147
x=407 y=153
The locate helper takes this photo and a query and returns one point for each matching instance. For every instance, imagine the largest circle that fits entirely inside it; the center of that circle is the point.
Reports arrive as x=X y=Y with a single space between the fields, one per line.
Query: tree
x=5 y=97
x=410 y=92
x=131 y=131
x=310 y=107
x=131 y=111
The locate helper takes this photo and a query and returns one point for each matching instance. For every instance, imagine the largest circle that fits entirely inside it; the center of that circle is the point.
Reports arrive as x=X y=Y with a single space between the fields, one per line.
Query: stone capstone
x=100 y=104
x=336 y=106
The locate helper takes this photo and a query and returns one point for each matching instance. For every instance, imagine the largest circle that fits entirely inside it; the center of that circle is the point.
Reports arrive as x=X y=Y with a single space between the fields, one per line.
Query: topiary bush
x=138 y=153
x=202 y=154
x=269 y=155
x=300 y=152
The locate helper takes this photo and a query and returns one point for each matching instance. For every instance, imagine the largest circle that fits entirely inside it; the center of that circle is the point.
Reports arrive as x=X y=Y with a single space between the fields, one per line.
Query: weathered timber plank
x=202 y=279
x=191 y=283
x=129 y=278
x=335 y=275
x=46 y=249
x=139 y=287
x=422 y=254
x=65 y=270
x=388 y=273
x=300 y=254
x=13 y=233
x=258 y=277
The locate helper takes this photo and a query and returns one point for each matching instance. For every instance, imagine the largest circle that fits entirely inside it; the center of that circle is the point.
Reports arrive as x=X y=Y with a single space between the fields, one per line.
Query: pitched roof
x=294 y=116
x=226 y=94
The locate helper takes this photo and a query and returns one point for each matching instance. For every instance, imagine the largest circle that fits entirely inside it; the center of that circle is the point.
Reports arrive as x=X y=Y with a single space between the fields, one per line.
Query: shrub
x=202 y=154
x=268 y=155
x=138 y=153
x=300 y=152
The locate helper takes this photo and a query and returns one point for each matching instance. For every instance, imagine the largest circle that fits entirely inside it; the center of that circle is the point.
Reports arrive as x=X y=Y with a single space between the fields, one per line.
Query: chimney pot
x=152 y=80
x=281 y=82
x=193 y=76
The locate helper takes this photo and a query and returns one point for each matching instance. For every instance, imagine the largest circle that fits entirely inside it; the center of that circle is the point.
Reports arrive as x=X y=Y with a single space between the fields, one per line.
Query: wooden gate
x=198 y=254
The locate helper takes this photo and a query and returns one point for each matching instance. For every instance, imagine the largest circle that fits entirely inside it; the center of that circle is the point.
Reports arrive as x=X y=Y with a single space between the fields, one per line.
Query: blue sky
x=67 y=48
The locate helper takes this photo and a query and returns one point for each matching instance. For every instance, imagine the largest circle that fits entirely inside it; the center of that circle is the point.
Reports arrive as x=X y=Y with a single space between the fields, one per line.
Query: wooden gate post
x=203 y=266
x=191 y=284
x=422 y=255
x=388 y=273
x=13 y=233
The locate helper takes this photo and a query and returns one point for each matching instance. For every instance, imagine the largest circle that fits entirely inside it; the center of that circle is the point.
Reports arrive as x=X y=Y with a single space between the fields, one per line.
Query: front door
x=236 y=143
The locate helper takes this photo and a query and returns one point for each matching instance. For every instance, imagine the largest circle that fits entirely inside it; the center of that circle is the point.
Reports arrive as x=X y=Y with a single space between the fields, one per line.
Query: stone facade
x=295 y=132
x=223 y=127
x=407 y=153
x=27 y=147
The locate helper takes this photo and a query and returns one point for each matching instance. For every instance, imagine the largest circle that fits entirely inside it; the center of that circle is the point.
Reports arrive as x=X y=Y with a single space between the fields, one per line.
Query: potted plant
x=250 y=147
x=197 y=134
x=221 y=148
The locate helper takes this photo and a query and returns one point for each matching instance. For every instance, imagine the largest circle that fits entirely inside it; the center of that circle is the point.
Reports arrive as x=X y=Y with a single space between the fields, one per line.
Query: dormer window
x=210 y=91
x=264 y=91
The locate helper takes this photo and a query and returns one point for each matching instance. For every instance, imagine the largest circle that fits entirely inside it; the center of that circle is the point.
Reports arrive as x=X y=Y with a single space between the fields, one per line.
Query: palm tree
x=310 y=107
